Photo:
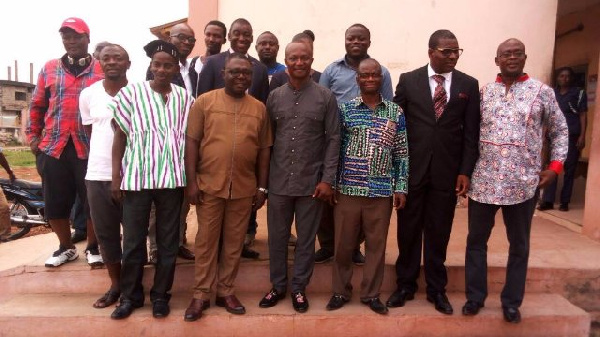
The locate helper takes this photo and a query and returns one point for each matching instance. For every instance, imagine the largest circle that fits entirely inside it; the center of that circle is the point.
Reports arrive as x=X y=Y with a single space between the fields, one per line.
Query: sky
x=30 y=29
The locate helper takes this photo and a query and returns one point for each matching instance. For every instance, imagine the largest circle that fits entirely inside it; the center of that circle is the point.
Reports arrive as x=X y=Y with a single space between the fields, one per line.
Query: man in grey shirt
x=304 y=159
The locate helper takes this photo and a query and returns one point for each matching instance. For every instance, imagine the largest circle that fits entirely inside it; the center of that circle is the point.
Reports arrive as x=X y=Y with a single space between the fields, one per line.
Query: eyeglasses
x=238 y=72
x=185 y=38
x=294 y=59
x=447 y=52
x=516 y=54
x=365 y=76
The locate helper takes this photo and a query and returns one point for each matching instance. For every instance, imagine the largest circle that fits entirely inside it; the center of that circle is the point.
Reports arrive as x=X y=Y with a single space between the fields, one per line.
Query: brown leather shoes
x=194 y=310
x=231 y=304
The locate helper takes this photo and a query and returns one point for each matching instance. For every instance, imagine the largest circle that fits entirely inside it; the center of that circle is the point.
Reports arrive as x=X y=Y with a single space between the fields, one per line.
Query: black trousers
x=425 y=223
x=136 y=214
x=517 y=219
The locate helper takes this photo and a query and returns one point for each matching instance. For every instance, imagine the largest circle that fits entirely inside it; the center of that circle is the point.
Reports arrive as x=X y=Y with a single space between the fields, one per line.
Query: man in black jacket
x=441 y=106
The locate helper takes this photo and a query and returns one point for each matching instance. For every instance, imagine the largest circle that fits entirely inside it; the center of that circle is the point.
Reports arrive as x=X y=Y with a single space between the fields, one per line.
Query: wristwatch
x=263 y=190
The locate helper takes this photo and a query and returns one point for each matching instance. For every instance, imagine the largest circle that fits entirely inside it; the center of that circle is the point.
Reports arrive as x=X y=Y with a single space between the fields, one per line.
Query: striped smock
x=155 y=132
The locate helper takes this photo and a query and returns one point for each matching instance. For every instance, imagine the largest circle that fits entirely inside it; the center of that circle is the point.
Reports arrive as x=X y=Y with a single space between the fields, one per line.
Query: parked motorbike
x=26 y=203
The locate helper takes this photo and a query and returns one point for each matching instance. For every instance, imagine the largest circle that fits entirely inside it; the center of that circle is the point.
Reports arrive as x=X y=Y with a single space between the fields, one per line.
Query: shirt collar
x=431 y=72
x=521 y=78
x=344 y=62
x=358 y=101
x=231 y=52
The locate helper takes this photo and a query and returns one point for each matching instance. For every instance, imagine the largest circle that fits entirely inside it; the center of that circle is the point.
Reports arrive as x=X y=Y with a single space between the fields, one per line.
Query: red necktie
x=439 y=96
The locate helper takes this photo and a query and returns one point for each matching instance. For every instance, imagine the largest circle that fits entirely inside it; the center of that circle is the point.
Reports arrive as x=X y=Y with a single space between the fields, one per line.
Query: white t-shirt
x=93 y=105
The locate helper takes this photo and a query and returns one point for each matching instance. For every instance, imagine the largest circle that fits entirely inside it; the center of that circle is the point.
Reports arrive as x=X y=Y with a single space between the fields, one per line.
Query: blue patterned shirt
x=374 y=154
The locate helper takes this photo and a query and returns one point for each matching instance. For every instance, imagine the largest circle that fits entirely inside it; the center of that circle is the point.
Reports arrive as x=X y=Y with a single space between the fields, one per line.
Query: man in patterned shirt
x=57 y=137
x=514 y=111
x=372 y=178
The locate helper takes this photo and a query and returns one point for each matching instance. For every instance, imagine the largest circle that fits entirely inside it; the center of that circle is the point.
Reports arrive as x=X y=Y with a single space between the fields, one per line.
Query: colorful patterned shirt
x=54 y=111
x=510 y=145
x=374 y=155
x=155 y=132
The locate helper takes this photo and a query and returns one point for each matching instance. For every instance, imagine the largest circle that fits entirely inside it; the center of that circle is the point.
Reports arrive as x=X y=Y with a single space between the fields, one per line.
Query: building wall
x=400 y=29
x=581 y=48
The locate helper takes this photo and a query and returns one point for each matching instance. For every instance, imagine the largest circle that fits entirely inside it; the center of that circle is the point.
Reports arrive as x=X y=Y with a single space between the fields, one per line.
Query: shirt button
x=295 y=116
x=296 y=103
x=293 y=138
x=292 y=150
x=294 y=128
x=292 y=173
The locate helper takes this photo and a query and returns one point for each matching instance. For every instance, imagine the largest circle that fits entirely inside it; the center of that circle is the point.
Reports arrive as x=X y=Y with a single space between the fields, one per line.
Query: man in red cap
x=57 y=137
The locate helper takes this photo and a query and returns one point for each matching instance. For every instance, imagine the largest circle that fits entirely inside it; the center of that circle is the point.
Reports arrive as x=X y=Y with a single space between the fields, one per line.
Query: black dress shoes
x=399 y=298
x=299 y=301
x=441 y=303
x=231 y=304
x=194 y=310
x=471 y=308
x=124 y=310
x=337 y=301
x=544 y=206
x=358 y=258
x=511 y=315
x=271 y=298
x=249 y=253
x=376 y=305
x=160 y=309
x=185 y=253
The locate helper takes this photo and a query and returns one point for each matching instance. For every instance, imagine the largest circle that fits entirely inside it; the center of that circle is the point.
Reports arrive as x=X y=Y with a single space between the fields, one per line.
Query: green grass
x=19 y=158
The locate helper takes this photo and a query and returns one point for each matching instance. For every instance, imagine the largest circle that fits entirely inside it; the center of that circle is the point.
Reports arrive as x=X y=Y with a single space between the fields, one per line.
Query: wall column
x=591 y=212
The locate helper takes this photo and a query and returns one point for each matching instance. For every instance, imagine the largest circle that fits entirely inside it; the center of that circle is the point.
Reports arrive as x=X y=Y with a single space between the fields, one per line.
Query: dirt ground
x=28 y=173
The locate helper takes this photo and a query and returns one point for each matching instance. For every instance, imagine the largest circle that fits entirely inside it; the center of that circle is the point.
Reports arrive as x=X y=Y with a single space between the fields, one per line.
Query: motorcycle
x=26 y=204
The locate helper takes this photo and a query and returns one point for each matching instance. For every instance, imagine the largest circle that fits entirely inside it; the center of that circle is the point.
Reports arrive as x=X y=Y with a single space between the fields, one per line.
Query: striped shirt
x=374 y=155
x=155 y=132
x=54 y=111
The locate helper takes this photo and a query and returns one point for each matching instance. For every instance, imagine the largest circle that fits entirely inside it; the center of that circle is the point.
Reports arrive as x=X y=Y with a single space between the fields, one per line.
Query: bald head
x=510 y=42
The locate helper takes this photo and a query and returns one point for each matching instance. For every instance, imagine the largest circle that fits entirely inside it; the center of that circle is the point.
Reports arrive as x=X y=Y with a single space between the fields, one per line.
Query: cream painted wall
x=400 y=29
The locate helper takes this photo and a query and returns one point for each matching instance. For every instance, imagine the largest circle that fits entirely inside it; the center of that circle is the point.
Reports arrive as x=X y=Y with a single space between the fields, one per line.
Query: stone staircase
x=562 y=295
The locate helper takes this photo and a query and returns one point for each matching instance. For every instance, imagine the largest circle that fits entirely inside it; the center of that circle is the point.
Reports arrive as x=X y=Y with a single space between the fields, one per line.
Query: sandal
x=108 y=299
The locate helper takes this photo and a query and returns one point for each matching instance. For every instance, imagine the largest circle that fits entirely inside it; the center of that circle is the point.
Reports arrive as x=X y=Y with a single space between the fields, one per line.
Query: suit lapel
x=425 y=90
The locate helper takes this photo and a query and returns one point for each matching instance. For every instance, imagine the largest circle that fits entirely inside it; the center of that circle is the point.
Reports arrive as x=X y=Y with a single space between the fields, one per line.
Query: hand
x=324 y=192
x=462 y=185
x=258 y=201
x=580 y=142
x=399 y=200
x=193 y=194
x=546 y=178
x=34 y=146
x=115 y=191
x=11 y=176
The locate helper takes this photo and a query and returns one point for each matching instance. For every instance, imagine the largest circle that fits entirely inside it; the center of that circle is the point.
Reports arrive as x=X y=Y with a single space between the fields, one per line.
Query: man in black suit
x=441 y=106
x=240 y=38
x=211 y=77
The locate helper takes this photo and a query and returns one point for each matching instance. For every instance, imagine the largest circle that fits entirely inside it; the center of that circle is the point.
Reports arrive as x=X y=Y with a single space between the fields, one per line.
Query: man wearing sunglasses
x=441 y=106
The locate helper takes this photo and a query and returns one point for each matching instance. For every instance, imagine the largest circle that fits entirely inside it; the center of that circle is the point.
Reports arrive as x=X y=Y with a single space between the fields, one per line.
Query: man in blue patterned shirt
x=372 y=178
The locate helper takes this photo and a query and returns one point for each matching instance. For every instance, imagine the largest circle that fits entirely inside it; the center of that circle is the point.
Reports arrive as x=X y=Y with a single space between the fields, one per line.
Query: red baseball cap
x=77 y=25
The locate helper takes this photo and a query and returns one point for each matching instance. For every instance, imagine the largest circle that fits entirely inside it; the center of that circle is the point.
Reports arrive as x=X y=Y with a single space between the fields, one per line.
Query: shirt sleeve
x=332 y=139
x=386 y=86
x=84 y=106
x=37 y=109
x=558 y=131
x=400 y=161
x=325 y=79
x=122 y=108
x=195 y=122
x=265 y=134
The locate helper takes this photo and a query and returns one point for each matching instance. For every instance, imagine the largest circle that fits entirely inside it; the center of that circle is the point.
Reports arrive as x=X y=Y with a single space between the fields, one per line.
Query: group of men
x=226 y=132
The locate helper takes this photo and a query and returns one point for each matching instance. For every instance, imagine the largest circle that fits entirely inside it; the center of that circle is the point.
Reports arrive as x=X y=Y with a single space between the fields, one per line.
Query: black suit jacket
x=211 y=77
x=440 y=150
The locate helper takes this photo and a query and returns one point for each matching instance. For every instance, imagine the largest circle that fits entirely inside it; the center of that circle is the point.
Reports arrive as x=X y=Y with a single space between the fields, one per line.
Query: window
x=20 y=96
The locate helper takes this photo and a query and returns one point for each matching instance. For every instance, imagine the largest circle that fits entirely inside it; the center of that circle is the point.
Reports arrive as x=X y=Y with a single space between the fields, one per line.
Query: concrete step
x=50 y=315
x=76 y=277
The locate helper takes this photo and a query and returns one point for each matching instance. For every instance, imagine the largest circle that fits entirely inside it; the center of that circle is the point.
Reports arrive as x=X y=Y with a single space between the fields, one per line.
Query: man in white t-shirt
x=105 y=212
